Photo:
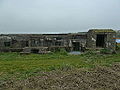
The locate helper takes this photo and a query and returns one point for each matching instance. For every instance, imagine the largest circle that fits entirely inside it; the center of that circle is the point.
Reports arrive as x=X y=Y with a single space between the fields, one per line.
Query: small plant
x=105 y=51
x=66 y=67
x=89 y=53
x=117 y=46
x=61 y=52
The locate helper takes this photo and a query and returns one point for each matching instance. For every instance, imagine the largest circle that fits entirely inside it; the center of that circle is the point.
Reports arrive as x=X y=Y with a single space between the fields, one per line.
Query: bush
x=105 y=51
x=90 y=52
x=61 y=51
x=117 y=47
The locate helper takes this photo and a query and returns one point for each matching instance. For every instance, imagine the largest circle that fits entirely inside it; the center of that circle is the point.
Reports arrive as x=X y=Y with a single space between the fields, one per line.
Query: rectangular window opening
x=7 y=44
x=100 y=40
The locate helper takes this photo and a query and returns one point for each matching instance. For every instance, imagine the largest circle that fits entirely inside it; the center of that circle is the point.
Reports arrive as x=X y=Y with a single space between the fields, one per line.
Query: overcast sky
x=50 y=16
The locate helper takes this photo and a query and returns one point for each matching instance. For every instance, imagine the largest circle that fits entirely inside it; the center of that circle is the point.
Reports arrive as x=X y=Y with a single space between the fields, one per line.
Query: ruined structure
x=97 y=39
x=43 y=43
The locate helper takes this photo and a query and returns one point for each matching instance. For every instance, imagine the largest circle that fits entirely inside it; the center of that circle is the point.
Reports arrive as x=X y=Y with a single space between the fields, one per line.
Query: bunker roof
x=102 y=30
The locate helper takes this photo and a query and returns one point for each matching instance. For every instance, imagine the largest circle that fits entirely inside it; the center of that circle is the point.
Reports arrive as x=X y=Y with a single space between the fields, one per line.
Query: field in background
x=14 y=65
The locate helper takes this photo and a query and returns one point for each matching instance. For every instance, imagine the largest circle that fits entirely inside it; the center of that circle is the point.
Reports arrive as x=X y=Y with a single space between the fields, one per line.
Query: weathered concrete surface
x=70 y=41
x=109 y=41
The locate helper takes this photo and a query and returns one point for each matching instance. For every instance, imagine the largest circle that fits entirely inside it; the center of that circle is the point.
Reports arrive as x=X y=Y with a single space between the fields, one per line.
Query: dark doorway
x=76 y=46
x=100 y=40
x=26 y=43
x=7 y=44
x=35 y=51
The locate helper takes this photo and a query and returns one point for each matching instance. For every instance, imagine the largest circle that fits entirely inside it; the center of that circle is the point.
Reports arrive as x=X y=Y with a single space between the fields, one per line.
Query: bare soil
x=99 y=78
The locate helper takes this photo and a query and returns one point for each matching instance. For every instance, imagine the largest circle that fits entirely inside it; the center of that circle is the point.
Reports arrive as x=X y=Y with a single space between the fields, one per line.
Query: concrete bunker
x=43 y=43
x=101 y=38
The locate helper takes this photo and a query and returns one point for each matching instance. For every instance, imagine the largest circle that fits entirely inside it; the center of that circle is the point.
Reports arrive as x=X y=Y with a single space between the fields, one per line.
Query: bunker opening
x=100 y=40
x=34 y=50
x=76 y=46
x=7 y=44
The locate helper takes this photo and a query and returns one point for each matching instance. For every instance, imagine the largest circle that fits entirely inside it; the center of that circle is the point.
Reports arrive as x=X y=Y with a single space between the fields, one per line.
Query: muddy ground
x=99 y=78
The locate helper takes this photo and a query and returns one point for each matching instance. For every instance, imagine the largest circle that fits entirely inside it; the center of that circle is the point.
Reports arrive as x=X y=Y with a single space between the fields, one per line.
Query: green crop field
x=14 y=65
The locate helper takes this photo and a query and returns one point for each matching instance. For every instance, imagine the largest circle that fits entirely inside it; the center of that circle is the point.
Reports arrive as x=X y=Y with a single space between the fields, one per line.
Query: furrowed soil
x=98 y=78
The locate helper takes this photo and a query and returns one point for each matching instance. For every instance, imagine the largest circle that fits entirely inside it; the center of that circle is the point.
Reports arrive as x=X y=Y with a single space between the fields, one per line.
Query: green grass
x=14 y=65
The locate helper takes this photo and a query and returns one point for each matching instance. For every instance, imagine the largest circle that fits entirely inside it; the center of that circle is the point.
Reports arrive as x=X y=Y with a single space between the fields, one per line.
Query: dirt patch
x=99 y=78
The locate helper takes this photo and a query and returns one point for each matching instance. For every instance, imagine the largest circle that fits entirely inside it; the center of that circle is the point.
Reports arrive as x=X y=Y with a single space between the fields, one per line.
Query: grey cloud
x=39 y=16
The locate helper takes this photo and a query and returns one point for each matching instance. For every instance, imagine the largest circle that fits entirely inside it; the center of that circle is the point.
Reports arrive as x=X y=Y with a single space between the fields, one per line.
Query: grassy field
x=14 y=65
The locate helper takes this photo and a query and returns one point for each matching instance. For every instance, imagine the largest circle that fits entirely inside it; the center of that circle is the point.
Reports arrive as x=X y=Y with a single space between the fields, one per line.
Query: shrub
x=118 y=47
x=90 y=52
x=61 y=51
x=105 y=51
